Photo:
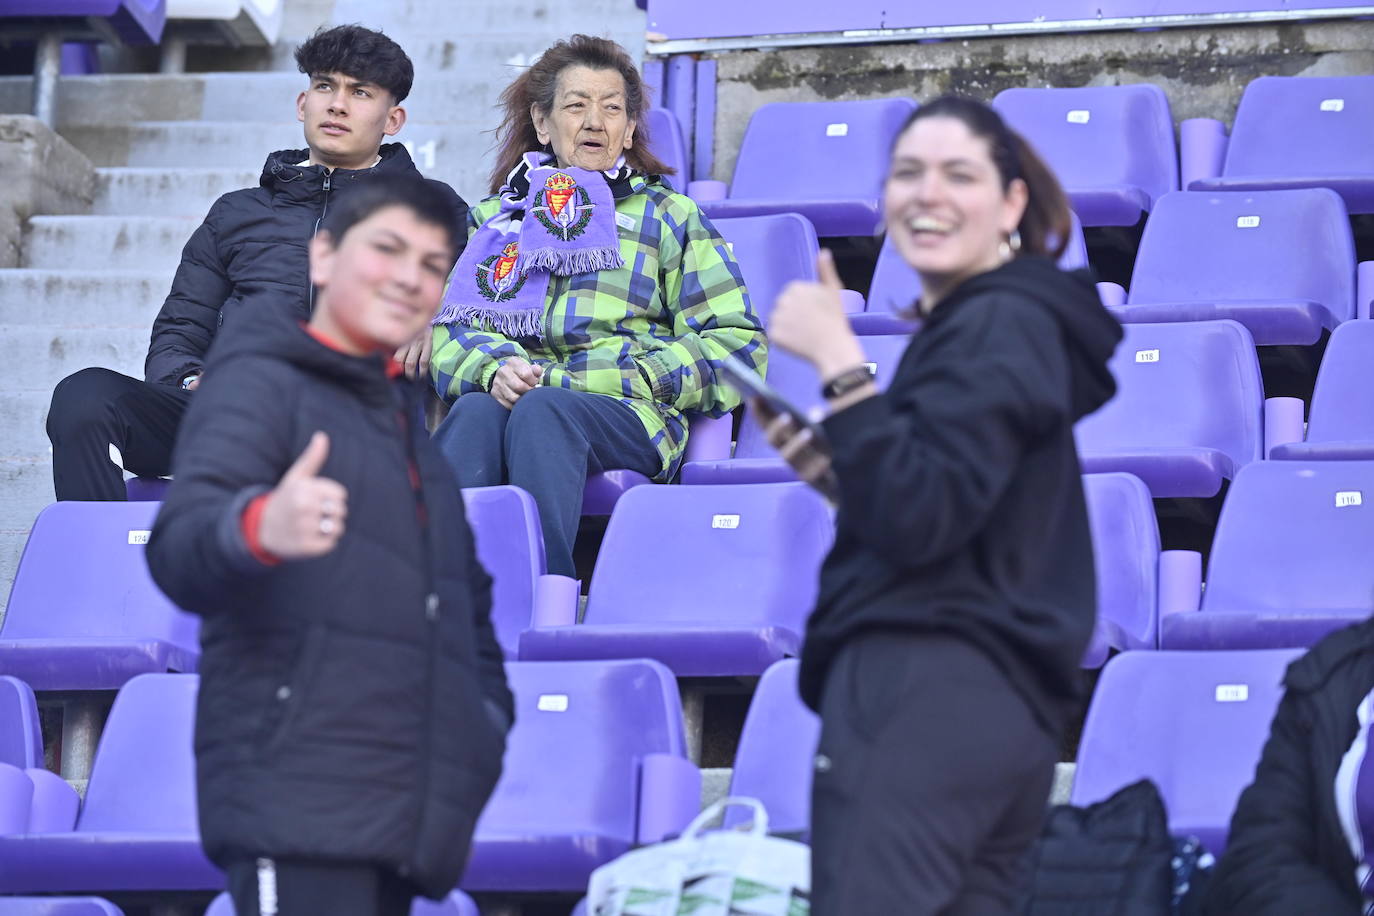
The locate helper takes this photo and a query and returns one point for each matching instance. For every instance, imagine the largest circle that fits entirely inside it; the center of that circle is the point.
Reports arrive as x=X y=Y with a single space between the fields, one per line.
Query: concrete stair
x=107 y=242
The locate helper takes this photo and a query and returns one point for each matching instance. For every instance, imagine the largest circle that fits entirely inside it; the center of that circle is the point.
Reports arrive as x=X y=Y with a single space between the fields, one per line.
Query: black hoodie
x=961 y=500
x=352 y=706
x=253 y=247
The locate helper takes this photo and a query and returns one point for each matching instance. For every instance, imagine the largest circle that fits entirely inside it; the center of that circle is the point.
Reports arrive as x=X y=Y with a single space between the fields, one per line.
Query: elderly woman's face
x=589 y=126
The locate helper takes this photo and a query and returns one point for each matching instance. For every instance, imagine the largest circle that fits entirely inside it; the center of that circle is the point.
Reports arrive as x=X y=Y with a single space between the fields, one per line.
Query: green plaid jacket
x=650 y=333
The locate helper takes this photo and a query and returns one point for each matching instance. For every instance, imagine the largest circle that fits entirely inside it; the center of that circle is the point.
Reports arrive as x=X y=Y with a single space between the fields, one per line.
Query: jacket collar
x=283 y=174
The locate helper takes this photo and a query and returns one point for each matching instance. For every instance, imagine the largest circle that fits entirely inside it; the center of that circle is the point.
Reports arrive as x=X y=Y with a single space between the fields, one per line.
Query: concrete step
x=22 y=417
x=25 y=488
x=82 y=298
x=107 y=242
x=165 y=192
x=50 y=354
x=12 y=541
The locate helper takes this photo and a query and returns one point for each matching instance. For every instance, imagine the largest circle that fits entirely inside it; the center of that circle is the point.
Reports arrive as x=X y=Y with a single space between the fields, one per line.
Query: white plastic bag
x=720 y=873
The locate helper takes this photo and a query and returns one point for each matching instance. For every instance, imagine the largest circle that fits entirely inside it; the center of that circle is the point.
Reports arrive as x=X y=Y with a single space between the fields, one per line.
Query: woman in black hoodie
x=959 y=596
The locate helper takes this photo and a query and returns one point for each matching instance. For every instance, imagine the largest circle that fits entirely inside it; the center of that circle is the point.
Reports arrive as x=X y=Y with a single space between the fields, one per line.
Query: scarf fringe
x=523 y=323
x=570 y=263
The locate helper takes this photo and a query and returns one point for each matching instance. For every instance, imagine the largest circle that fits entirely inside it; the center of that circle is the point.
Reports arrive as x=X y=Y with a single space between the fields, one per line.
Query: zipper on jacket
x=324 y=211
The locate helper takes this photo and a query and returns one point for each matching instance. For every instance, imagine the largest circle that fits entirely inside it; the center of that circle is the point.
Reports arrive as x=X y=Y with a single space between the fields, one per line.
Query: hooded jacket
x=1286 y=853
x=352 y=706
x=961 y=503
x=253 y=246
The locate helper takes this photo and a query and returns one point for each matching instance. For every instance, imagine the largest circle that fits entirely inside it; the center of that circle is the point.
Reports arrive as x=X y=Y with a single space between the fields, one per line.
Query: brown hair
x=536 y=87
x=1046 y=224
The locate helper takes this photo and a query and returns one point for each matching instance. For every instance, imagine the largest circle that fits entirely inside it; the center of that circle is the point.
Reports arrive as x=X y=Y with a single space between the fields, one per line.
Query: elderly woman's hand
x=515 y=378
x=808 y=320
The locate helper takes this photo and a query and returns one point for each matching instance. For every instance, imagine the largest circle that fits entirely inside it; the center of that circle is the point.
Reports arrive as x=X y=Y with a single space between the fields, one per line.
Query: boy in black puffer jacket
x=353 y=704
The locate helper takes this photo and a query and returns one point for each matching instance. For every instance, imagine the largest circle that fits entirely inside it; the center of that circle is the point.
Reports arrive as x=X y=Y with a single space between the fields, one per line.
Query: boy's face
x=381 y=284
x=346 y=118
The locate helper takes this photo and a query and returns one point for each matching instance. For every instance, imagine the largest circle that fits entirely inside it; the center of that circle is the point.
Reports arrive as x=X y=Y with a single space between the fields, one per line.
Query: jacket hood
x=1311 y=670
x=283 y=170
x=1090 y=332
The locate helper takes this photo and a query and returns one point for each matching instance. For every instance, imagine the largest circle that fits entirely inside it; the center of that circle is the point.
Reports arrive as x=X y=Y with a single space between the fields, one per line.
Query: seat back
x=1343 y=401
x=1248 y=246
x=667 y=143
x=745 y=555
x=1186 y=385
x=573 y=758
x=1295 y=536
x=1125 y=536
x=59 y=906
x=143 y=779
x=777 y=748
x=772 y=251
x=797 y=380
x=1193 y=722
x=1099 y=136
x=818 y=150
x=896 y=286
x=84 y=575
x=21 y=738
x=510 y=546
x=1303 y=127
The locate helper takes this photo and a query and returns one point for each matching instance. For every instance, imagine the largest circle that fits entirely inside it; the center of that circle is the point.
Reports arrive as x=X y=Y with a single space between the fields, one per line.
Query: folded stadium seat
x=456 y=904
x=84 y=613
x=21 y=738
x=667 y=143
x=824 y=160
x=58 y=906
x=1282 y=263
x=896 y=286
x=729 y=598
x=595 y=764
x=1129 y=565
x=1111 y=146
x=1290 y=561
x=510 y=546
x=1188 y=411
x=1193 y=722
x=755 y=461
x=137 y=828
x=1340 y=424
x=1298 y=132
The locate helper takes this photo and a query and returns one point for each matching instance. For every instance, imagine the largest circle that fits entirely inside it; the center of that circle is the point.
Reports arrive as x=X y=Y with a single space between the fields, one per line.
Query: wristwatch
x=190 y=380
x=848 y=381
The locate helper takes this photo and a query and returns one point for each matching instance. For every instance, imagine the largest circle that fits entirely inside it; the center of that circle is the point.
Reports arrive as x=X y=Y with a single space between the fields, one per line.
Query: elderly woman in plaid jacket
x=592 y=303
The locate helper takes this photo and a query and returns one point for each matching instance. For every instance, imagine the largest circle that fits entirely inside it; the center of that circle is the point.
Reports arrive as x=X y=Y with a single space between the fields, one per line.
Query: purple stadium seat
x=733 y=602
x=708 y=438
x=824 y=160
x=457 y=904
x=21 y=739
x=57 y=906
x=1282 y=263
x=84 y=614
x=1127 y=559
x=1302 y=132
x=755 y=461
x=1341 y=422
x=1193 y=722
x=1188 y=411
x=1111 y=146
x=776 y=750
x=134 y=22
x=896 y=287
x=505 y=525
x=596 y=763
x=1290 y=560
x=137 y=829
x=146 y=489
x=772 y=251
x=667 y=143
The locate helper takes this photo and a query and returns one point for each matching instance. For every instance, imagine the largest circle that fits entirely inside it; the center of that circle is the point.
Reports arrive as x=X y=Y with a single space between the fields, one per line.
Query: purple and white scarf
x=552 y=221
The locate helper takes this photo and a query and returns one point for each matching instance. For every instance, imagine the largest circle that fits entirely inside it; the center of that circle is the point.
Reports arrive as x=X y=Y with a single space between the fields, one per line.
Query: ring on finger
x=328 y=524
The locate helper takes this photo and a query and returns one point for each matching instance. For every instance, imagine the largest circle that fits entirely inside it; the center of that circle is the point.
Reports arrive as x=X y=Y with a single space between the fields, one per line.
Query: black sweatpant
x=292 y=887
x=931 y=782
x=96 y=409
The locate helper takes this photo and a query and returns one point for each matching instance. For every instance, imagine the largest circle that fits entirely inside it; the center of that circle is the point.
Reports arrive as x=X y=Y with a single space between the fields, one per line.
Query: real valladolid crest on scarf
x=552 y=221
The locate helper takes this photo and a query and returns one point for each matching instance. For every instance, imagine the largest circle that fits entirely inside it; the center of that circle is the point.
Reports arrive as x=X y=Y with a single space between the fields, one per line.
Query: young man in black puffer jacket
x=353 y=704
x=251 y=248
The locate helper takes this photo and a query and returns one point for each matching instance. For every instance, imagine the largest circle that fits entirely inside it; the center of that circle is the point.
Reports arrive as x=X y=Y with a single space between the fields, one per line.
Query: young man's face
x=380 y=285
x=346 y=118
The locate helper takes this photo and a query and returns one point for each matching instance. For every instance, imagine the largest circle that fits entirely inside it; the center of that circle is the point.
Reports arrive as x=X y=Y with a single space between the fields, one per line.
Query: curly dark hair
x=360 y=53
x=537 y=86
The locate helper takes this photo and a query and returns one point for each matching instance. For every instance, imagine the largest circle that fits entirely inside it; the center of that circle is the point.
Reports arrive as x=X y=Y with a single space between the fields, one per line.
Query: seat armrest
x=708 y=438
x=1111 y=293
x=707 y=189
x=1364 y=289
x=1282 y=422
x=1180 y=583
x=669 y=796
x=555 y=601
x=1202 y=146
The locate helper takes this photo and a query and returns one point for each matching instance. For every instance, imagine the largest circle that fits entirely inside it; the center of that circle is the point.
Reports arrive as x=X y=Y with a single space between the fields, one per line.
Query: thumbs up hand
x=304 y=515
x=808 y=319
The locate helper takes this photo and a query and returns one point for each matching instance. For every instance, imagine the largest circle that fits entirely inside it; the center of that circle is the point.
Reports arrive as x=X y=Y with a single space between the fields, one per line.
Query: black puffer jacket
x=352 y=706
x=1286 y=853
x=253 y=247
